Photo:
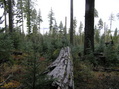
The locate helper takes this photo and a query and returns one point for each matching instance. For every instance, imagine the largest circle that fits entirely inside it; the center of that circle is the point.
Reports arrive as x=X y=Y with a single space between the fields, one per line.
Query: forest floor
x=85 y=76
x=88 y=78
x=12 y=75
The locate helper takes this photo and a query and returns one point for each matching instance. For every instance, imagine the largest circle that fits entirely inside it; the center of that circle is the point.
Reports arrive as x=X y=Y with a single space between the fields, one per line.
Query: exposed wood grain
x=62 y=70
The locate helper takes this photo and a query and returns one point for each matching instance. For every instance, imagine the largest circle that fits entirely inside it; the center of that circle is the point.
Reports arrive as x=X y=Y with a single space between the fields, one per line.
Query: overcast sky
x=61 y=8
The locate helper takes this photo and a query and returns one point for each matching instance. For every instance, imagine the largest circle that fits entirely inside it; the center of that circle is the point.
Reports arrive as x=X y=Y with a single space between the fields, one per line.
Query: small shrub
x=6 y=46
x=76 y=50
x=111 y=56
x=17 y=40
x=82 y=74
x=100 y=47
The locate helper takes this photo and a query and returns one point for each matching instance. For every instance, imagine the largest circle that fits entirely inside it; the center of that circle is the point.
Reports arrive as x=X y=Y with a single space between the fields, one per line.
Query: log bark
x=62 y=70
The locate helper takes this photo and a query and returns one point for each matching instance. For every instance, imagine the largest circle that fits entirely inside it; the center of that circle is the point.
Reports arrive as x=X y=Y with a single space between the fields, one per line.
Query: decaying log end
x=62 y=70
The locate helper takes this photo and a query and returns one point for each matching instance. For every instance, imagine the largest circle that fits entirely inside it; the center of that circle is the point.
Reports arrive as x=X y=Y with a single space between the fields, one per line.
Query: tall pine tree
x=89 y=26
x=39 y=19
x=20 y=15
x=51 y=19
x=28 y=9
x=10 y=5
x=71 y=22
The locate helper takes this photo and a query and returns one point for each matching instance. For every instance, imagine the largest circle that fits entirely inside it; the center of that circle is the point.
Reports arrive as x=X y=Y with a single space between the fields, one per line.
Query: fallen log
x=106 y=69
x=62 y=70
x=17 y=53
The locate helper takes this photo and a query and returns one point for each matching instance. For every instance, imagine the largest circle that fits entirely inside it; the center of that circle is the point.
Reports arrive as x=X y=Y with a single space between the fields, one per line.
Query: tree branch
x=6 y=80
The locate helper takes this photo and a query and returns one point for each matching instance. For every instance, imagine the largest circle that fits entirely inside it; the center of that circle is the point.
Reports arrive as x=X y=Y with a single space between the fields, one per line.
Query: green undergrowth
x=86 y=78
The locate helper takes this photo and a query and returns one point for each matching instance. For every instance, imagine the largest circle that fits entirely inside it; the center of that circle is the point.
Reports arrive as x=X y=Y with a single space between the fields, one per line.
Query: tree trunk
x=65 y=31
x=89 y=26
x=29 y=18
x=62 y=70
x=10 y=16
x=22 y=17
x=5 y=12
x=22 y=23
x=71 y=23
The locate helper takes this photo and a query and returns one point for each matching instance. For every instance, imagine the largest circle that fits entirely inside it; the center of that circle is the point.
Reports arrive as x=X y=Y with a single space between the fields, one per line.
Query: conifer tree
x=74 y=30
x=74 y=25
x=55 y=28
x=80 y=31
x=111 y=18
x=97 y=35
x=116 y=36
x=89 y=26
x=100 y=24
x=33 y=78
x=10 y=5
x=20 y=15
x=39 y=19
x=28 y=9
x=71 y=22
x=95 y=13
x=61 y=27
x=51 y=19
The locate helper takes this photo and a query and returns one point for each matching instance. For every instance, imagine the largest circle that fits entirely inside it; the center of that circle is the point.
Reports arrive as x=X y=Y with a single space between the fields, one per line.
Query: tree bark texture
x=5 y=15
x=89 y=26
x=10 y=16
x=62 y=70
x=29 y=18
x=71 y=23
